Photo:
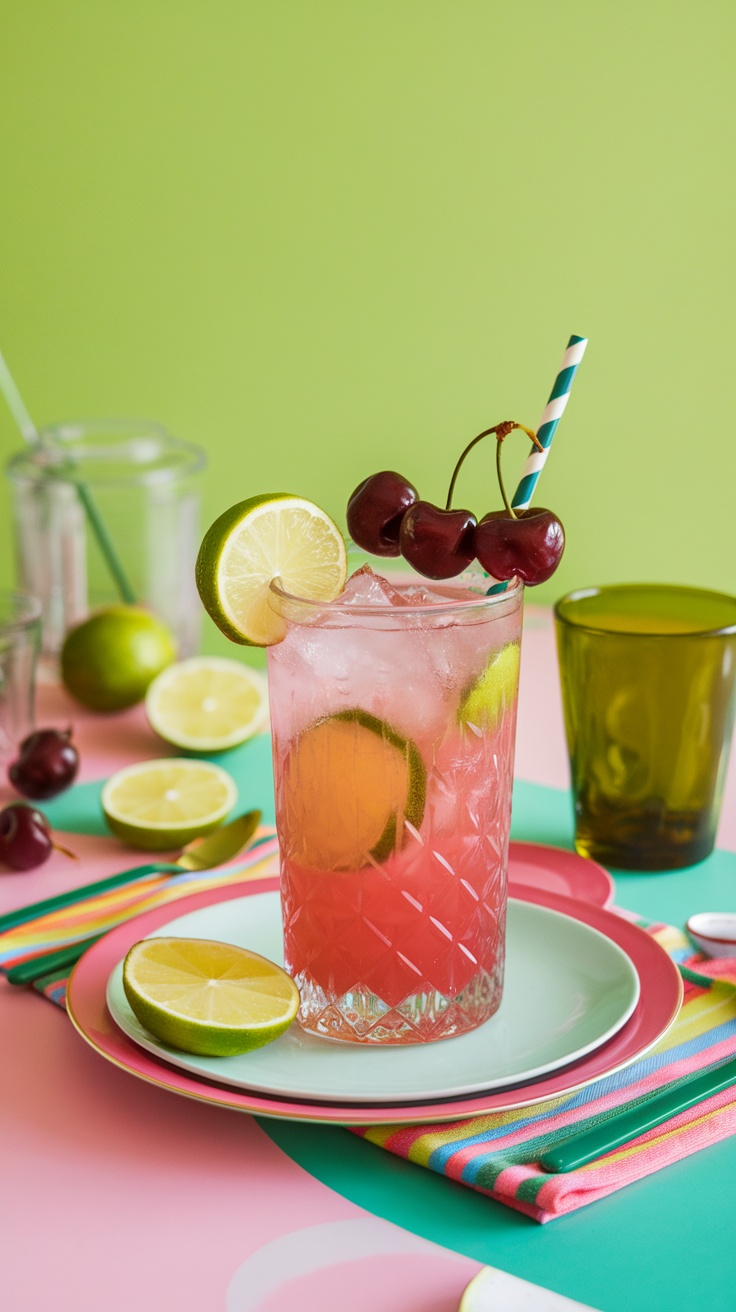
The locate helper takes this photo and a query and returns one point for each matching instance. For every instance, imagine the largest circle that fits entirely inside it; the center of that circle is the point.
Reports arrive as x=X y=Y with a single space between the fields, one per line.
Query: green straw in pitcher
x=31 y=435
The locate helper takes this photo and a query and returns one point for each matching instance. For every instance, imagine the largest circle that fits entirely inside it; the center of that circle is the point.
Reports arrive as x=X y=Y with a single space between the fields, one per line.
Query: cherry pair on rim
x=387 y=517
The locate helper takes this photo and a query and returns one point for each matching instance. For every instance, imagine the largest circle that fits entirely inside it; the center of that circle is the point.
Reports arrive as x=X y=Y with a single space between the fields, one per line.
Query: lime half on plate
x=207 y=997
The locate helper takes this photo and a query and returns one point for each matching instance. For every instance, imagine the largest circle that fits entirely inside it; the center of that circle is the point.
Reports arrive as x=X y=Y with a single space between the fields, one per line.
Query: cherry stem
x=64 y=851
x=501 y=431
x=509 y=508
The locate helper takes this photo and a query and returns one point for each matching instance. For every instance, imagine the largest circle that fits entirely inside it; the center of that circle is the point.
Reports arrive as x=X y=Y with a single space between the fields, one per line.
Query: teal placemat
x=665 y=1242
x=78 y=810
x=644 y=1248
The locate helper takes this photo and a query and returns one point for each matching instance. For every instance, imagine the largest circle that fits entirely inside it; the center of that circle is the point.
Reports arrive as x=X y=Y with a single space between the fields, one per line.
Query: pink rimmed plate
x=659 y=1001
x=567 y=990
x=533 y=865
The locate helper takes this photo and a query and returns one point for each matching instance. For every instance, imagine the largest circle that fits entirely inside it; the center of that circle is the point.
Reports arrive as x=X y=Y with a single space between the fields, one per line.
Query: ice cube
x=418 y=595
x=366 y=588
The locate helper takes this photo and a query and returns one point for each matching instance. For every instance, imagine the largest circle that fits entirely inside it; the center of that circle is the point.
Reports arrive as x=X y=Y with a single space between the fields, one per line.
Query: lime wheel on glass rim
x=268 y=537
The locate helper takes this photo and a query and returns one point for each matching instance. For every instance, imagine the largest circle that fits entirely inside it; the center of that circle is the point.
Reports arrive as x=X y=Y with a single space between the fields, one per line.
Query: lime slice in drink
x=490 y=696
x=267 y=537
x=350 y=788
x=209 y=998
x=207 y=703
x=162 y=805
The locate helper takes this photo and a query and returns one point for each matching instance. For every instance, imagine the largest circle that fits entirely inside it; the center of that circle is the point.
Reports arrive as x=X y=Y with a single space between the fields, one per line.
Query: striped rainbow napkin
x=496 y=1154
x=98 y=914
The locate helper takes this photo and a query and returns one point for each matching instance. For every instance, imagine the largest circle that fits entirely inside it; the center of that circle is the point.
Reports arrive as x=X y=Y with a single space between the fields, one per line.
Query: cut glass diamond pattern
x=421 y=979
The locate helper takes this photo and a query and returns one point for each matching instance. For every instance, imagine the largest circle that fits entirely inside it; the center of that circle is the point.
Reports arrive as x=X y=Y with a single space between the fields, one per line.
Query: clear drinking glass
x=20 y=635
x=100 y=491
x=393 y=715
x=649 y=692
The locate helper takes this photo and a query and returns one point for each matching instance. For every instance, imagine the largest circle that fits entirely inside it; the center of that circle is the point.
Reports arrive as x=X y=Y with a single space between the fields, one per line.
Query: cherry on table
x=25 y=837
x=47 y=764
x=438 y=543
x=530 y=545
x=376 y=509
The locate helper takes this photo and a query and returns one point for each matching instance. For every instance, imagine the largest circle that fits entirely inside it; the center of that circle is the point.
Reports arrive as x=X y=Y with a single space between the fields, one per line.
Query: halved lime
x=162 y=805
x=207 y=703
x=209 y=998
x=493 y=692
x=267 y=537
x=349 y=787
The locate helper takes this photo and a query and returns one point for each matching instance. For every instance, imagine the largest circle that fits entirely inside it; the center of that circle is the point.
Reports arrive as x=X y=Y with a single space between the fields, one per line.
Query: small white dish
x=492 y=1290
x=714 y=932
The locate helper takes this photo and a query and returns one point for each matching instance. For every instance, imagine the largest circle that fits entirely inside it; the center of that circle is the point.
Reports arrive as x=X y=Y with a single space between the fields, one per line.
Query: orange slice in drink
x=350 y=787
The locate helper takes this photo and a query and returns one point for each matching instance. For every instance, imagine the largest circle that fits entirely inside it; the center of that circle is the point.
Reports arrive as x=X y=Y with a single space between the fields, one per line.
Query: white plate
x=568 y=989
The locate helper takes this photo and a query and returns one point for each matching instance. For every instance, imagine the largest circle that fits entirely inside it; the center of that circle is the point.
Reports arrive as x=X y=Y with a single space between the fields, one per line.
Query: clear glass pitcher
x=108 y=510
x=20 y=627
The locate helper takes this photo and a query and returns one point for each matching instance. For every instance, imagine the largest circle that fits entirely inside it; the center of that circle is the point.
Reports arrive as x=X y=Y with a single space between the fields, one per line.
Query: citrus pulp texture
x=206 y=997
x=274 y=536
x=162 y=805
x=207 y=703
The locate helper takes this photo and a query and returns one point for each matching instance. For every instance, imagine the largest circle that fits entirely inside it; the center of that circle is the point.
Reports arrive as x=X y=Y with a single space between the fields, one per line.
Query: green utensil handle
x=579 y=1149
x=72 y=895
x=29 y=971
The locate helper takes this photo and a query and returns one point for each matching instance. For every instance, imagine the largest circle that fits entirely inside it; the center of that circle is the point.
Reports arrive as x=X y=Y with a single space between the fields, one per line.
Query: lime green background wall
x=323 y=237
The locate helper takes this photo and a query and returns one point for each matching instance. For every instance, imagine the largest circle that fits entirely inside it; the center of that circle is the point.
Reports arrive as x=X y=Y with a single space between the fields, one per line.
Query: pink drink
x=393 y=714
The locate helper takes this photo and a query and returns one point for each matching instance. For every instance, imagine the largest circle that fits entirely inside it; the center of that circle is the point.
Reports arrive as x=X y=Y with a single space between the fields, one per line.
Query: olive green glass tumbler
x=648 y=674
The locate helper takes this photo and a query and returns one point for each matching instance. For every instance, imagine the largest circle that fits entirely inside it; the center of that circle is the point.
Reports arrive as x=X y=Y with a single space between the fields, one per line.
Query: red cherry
x=376 y=509
x=530 y=545
x=438 y=543
x=47 y=764
x=25 y=837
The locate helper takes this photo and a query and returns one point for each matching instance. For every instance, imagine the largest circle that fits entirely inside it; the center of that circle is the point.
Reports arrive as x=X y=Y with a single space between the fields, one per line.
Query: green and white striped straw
x=551 y=416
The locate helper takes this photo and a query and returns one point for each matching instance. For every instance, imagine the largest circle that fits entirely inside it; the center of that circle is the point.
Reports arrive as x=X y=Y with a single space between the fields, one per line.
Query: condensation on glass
x=393 y=743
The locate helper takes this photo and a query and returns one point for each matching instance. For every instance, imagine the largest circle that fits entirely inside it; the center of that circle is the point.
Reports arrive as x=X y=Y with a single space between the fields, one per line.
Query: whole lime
x=108 y=661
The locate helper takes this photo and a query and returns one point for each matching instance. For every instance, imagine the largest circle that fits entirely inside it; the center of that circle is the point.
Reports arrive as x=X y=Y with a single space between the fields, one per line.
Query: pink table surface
x=117 y=1195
